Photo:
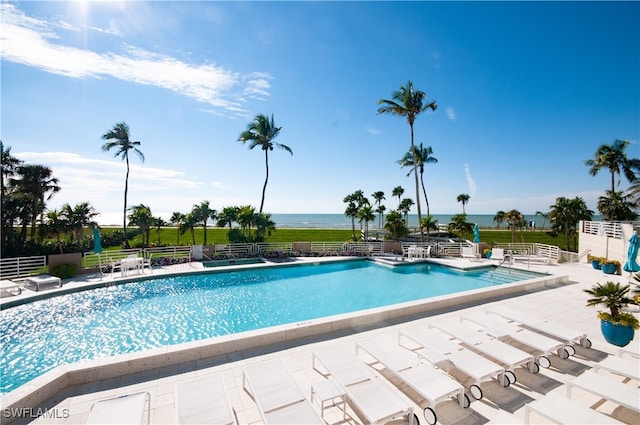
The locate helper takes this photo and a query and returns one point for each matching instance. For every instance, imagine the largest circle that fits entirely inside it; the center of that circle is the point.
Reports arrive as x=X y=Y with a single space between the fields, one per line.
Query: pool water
x=41 y=335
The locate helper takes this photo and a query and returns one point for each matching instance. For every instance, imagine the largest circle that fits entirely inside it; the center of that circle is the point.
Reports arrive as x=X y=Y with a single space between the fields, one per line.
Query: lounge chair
x=620 y=366
x=373 y=397
x=468 y=253
x=505 y=418
x=497 y=254
x=606 y=388
x=204 y=401
x=44 y=279
x=126 y=409
x=438 y=349
x=489 y=346
x=9 y=287
x=431 y=384
x=562 y=333
x=505 y=331
x=277 y=395
x=563 y=410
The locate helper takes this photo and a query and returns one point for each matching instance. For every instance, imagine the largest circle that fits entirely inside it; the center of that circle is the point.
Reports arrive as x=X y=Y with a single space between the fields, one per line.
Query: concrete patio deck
x=563 y=303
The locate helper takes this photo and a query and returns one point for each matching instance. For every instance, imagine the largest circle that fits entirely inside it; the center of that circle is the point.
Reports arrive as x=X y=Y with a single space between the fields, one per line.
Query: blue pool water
x=39 y=336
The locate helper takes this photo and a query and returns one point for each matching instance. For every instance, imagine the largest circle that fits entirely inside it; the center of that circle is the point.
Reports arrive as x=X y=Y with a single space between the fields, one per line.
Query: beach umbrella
x=97 y=241
x=631 y=265
x=476 y=234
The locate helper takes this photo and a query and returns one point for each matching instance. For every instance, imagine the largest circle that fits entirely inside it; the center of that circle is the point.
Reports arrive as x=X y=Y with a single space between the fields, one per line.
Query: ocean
x=340 y=221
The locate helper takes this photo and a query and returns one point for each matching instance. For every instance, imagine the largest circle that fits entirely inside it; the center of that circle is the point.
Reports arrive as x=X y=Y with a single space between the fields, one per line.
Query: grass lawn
x=169 y=236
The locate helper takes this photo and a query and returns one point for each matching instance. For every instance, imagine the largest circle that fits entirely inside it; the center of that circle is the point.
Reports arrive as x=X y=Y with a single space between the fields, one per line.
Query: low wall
x=71 y=258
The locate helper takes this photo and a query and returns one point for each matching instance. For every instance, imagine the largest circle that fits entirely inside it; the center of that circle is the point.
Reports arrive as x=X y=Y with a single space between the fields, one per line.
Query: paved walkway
x=564 y=304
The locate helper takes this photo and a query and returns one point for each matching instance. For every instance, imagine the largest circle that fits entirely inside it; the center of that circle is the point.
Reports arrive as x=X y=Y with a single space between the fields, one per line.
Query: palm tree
x=227 y=216
x=79 y=217
x=515 y=219
x=189 y=223
x=159 y=222
x=8 y=167
x=459 y=224
x=177 y=218
x=499 y=218
x=408 y=102
x=544 y=216
x=420 y=156
x=398 y=191
x=428 y=224
x=634 y=192
x=56 y=225
x=395 y=226
x=261 y=132
x=463 y=198
x=141 y=216
x=565 y=214
x=378 y=197
x=246 y=218
x=405 y=207
x=366 y=214
x=264 y=226
x=38 y=183
x=203 y=213
x=617 y=206
x=352 y=212
x=118 y=137
x=614 y=158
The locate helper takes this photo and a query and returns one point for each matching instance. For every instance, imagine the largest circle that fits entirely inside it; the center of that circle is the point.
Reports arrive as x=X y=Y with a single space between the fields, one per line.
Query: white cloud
x=470 y=181
x=374 y=131
x=32 y=42
x=451 y=113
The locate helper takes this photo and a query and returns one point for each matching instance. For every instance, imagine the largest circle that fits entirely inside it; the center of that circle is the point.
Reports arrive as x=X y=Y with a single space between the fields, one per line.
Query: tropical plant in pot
x=595 y=261
x=617 y=325
x=609 y=266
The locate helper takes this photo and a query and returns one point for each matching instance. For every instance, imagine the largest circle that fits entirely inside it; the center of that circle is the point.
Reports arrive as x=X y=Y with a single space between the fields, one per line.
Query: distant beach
x=340 y=221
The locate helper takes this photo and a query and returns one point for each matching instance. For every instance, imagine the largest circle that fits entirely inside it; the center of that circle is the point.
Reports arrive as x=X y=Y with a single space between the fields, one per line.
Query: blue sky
x=525 y=91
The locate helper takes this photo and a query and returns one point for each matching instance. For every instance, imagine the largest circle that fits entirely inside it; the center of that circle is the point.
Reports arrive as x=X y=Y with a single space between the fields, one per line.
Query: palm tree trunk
x=424 y=191
x=126 y=190
x=415 y=175
x=266 y=179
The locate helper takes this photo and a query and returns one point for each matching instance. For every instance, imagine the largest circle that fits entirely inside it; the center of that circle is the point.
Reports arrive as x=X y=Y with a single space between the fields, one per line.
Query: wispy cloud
x=470 y=181
x=374 y=131
x=451 y=113
x=35 y=42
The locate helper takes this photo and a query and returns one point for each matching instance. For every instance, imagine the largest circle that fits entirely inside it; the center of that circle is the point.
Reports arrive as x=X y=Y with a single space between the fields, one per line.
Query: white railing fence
x=22 y=266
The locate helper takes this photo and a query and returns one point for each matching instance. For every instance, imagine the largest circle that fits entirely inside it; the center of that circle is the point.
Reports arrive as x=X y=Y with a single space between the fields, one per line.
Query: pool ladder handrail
x=507 y=257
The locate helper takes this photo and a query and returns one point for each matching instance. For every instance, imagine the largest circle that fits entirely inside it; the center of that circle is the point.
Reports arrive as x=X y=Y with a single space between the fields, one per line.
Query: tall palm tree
x=227 y=216
x=499 y=217
x=515 y=219
x=613 y=158
x=405 y=207
x=398 y=191
x=565 y=214
x=617 y=206
x=545 y=217
x=365 y=214
x=408 y=102
x=177 y=218
x=141 y=216
x=377 y=199
x=203 y=213
x=38 y=182
x=463 y=198
x=78 y=217
x=419 y=156
x=119 y=138
x=8 y=167
x=352 y=212
x=261 y=132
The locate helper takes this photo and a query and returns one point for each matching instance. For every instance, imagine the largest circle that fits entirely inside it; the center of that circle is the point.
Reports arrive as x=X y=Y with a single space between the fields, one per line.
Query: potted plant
x=617 y=326
x=595 y=261
x=609 y=266
x=487 y=253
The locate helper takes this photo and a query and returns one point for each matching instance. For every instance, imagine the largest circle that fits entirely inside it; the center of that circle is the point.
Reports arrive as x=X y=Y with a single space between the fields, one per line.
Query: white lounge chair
x=371 y=394
x=485 y=344
x=436 y=348
x=468 y=253
x=277 y=395
x=629 y=368
x=497 y=254
x=563 y=410
x=431 y=384
x=505 y=331
x=9 y=287
x=204 y=401
x=44 y=279
x=606 y=388
x=562 y=333
x=126 y=409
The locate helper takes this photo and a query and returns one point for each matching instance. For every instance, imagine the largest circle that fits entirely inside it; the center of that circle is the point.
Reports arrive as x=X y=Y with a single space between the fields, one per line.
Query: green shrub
x=64 y=271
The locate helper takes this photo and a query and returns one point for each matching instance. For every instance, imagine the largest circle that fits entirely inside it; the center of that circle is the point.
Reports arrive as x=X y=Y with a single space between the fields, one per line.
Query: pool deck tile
x=563 y=303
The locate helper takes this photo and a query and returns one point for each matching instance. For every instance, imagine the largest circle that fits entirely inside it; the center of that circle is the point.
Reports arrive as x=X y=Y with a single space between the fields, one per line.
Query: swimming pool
x=39 y=336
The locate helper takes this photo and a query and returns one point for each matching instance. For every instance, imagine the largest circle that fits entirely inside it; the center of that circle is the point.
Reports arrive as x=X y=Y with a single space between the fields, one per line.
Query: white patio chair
x=204 y=401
